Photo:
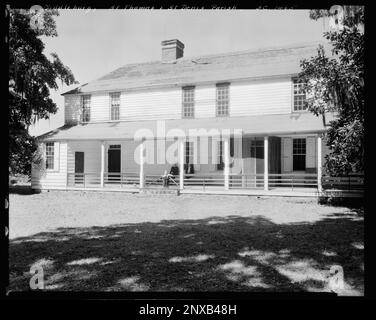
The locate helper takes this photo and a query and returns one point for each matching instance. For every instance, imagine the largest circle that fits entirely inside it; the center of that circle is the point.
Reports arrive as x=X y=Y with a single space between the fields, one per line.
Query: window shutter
x=287 y=154
x=149 y=147
x=311 y=152
x=211 y=153
x=56 y=155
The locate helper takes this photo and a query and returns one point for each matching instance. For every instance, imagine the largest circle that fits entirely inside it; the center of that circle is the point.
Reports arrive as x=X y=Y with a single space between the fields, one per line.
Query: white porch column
x=319 y=163
x=266 y=163
x=181 y=164
x=102 y=163
x=142 y=174
x=226 y=170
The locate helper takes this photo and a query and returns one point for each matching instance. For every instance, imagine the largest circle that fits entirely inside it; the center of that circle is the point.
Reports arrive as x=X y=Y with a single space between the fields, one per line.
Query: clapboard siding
x=151 y=104
x=260 y=97
x=44 y=179
x=247 y=98
x=92 y=155
x=205 y=97
x=99 y=107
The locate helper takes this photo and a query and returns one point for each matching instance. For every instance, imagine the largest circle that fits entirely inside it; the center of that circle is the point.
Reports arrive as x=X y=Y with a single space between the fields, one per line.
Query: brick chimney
x=172 y=50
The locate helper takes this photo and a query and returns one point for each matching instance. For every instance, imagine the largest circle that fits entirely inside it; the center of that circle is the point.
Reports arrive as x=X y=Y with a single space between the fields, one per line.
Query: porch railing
x=246 y=181
x=352 y=182
x=121 y=179
x=155 y=180
x=93 y=179
x=256 y=181
x=84 y=180
x=236 y=181
x=297 y=180
x=204 y=180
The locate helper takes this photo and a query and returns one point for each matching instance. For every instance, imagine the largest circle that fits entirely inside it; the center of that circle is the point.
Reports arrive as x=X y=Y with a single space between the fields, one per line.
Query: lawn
x=123 y=242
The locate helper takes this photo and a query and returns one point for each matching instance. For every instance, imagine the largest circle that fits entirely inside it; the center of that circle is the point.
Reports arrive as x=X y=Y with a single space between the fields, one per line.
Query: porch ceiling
x=252 y=125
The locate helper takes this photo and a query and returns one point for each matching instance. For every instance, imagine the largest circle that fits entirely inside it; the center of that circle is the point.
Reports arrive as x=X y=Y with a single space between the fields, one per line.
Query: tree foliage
x=335 y=83
x=31 y=76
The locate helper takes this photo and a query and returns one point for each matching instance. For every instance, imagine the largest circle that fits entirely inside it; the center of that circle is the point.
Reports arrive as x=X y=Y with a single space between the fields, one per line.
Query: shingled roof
x=210 y=68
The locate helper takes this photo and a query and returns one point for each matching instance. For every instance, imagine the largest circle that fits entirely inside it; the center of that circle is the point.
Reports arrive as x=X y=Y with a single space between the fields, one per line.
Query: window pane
x=115 y=105
x=299 y=96
x=299 y=154
x=222 y=100
x=86 y=108
x=188 y=102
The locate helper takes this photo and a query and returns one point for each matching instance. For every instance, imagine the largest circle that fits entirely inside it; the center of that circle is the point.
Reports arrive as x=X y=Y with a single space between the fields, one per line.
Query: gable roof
x=269 y=62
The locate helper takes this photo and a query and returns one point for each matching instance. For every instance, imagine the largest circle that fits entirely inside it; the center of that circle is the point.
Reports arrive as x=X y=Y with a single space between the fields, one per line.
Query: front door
x=79 y=167
x=114 y=162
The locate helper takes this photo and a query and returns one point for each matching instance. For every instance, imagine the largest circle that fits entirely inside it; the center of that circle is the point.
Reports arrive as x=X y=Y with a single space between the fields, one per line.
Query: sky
x=93 y=42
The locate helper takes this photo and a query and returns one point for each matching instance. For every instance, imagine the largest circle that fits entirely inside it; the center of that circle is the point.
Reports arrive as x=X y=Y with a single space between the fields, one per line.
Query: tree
x=336 y=84
x=31 y=76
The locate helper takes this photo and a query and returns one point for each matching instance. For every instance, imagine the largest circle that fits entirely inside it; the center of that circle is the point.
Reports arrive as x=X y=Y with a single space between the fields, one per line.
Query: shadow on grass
x=215 y=254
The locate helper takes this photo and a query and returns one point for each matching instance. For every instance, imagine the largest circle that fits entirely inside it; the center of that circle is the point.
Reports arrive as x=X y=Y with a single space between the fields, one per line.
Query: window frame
x=85 y=110
x=47 y=156
x=293 y=94
x=112 y=106
x=184 y=114
x=294 y=153
x=217 y=100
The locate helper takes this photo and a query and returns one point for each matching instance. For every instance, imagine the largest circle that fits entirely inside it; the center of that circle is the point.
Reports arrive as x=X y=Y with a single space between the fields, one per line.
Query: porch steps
x=160 y=191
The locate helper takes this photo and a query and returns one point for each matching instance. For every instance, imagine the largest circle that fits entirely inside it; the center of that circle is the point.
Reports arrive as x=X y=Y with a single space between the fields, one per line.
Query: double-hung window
x=115 y=105
x=85 y=102
x=50 y=155
x=299 y=95
x=222 y=101
x=188 y=102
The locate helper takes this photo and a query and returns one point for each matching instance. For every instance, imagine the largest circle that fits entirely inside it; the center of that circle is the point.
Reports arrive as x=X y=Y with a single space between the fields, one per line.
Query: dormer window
x=85 y=104
x=115 y=105
x=299 y=95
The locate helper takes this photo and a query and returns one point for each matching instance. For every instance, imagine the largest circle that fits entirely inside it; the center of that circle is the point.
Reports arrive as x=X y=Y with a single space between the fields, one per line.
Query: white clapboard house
x=233 y=123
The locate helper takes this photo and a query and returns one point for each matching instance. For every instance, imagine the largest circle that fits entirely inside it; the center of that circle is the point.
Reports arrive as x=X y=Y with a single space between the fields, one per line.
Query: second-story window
x=85 y=117
x=299 y=96
x=222 y=102
x=188 y=102
x=115 y=105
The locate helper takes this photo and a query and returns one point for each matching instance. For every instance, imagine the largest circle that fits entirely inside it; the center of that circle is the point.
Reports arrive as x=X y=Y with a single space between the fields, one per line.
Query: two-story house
x=231 y=122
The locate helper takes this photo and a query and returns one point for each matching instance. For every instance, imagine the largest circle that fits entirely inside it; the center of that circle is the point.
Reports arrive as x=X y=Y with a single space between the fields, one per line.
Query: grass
x=233 y=252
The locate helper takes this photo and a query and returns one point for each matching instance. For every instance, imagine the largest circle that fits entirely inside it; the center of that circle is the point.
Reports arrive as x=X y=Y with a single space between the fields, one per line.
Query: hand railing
x=84 y=180
x=117 y=179
x=352 y=182
x=157 y=180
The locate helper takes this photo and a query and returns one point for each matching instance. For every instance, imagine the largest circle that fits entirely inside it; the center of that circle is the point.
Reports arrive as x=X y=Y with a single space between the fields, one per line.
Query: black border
x=171 y=298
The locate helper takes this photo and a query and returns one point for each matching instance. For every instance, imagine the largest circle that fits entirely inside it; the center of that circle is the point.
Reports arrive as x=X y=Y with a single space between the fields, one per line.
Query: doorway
x=114 y=162
x=79 y=167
